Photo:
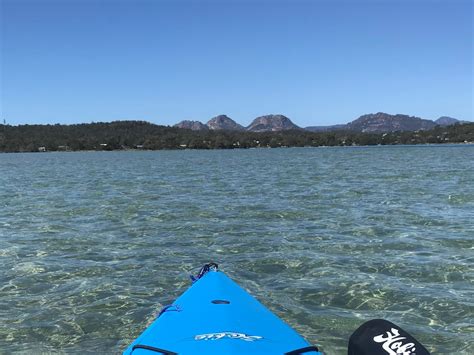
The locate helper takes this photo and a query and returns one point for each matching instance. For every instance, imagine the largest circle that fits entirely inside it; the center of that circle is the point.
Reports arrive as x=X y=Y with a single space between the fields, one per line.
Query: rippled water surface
x=92 y=245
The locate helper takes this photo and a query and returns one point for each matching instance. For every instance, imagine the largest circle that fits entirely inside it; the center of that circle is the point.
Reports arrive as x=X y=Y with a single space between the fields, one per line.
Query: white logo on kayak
x=230 y=335
x=393 y=343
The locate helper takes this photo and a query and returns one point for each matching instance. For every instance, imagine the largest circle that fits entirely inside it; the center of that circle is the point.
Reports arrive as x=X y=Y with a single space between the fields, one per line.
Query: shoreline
x=244 y=148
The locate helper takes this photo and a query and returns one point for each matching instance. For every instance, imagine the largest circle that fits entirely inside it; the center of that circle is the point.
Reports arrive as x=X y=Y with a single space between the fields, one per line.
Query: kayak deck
x=217 y=316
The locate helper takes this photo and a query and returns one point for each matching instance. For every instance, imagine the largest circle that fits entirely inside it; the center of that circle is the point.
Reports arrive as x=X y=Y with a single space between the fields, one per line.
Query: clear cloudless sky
x=317 y=62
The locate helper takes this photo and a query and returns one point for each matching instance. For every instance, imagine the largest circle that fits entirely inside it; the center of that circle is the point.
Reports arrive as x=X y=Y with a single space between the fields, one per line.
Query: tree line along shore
x=126 y=135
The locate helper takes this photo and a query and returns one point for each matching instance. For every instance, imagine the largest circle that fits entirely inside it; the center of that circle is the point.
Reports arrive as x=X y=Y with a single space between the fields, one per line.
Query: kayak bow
x=217 y=316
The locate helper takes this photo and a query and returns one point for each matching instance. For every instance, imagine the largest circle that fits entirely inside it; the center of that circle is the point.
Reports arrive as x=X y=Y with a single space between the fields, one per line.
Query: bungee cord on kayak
x=169 y=308
x=204 y=270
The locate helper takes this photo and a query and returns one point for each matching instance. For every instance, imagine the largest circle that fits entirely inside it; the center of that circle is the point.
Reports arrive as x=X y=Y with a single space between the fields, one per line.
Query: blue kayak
x=217 y=316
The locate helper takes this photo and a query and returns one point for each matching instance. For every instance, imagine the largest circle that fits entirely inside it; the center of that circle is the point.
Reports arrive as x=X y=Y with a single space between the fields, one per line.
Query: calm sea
x=92 y=245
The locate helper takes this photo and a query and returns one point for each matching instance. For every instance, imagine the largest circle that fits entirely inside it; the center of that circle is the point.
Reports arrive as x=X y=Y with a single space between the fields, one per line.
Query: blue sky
x=318 y=62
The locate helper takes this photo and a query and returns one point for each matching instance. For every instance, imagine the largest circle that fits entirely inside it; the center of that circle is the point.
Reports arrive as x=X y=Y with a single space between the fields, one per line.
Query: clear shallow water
x=92 y=245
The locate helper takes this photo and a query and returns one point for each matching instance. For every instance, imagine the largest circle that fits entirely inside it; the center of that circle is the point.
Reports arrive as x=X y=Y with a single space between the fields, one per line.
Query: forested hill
x=122 y=135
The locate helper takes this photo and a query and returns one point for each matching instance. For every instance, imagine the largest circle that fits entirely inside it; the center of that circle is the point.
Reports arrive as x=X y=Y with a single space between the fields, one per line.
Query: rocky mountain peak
x=223 y=122
x=446 y=121
x=194 y=125
x=384 y=122
x=271 y=123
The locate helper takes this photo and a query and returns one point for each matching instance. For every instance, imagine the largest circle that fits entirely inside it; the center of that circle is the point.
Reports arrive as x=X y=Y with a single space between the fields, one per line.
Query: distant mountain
x=223 y=122
x=271 y=123
x=447 y=121
x=194 y=125
x=336 y=127
x=370 y=123
x=384 y=122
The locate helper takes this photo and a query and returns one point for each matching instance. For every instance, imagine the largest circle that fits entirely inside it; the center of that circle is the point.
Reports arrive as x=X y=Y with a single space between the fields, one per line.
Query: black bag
x=381 y=337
